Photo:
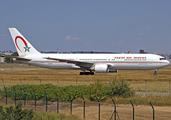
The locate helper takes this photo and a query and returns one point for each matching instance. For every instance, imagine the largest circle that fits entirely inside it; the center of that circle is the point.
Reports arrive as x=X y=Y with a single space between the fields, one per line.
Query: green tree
x=15 y=113
x=15 y=54
x=9 y=59
x=142 y=51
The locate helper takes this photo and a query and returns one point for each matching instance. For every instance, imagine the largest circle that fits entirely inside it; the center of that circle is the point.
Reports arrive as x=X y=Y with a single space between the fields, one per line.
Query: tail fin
x=22 y=45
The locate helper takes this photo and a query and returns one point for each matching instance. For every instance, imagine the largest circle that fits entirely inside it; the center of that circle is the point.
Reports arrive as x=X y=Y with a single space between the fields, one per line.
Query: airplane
x=99 y=63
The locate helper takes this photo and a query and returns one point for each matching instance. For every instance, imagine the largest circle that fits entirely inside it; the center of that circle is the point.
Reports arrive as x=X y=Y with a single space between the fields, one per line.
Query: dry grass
x=136 y=78
x=12 y=73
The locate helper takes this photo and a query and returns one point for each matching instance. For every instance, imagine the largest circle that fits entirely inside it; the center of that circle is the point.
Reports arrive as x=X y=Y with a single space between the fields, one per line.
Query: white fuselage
x=116 y=61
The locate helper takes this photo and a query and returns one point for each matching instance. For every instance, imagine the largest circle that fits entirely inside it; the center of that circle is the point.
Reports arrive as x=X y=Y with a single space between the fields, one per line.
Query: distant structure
x=2 y=59
x=7 y=53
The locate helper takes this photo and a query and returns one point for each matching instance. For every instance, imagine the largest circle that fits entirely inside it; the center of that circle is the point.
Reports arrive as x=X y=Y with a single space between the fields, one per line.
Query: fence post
x=169 y=87
x=57 y=81
x=84 y=107
x=35 y=98
x=114 y=109
x=145 y=87
x=15 y=95
x=24 y=97
x=71 y=103
x=57 y=102
x=6 y=94
x=40 y=81
x=153 y=109
x=46 y=100
x=20 y=81
x=99 y=107
x=3 y=82
x=133 y=108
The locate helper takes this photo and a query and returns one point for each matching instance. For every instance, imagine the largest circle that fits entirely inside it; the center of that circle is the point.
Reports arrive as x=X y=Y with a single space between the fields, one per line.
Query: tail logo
x=25 y=43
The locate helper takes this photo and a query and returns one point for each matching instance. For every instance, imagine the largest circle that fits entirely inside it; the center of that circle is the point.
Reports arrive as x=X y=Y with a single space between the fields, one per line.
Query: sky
x=88 y=25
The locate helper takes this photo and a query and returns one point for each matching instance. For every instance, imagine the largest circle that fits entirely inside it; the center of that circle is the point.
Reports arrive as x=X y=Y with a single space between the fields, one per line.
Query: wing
x=78 y=63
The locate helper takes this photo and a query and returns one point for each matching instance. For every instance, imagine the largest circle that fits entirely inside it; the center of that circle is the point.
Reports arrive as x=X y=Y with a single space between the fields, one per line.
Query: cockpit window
x=162 y=58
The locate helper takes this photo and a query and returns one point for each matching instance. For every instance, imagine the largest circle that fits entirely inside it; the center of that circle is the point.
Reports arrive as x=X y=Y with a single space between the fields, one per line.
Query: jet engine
x=101 y=68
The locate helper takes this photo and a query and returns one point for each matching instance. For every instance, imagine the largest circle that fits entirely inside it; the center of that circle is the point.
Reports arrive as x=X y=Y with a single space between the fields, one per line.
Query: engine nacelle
x=101 y=68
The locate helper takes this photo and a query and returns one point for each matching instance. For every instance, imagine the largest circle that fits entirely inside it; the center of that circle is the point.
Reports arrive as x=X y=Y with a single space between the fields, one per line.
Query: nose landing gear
x=155 y=72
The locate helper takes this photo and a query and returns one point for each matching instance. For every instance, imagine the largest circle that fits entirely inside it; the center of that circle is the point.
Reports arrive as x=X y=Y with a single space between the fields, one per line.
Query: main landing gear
x=86 y=73
x=155 y=72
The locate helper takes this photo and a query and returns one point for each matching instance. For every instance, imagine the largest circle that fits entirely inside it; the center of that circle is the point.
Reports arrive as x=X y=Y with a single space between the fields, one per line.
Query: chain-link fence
x=84 y=109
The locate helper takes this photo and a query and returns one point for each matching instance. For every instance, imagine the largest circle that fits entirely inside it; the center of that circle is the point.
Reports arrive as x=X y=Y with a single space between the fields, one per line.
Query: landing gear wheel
x=81 y=73
x=155 y=72
x=86 y=73
x=92 y=73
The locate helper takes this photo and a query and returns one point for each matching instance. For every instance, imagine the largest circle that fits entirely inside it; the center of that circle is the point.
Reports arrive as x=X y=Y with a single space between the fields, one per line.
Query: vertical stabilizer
x=22 y=45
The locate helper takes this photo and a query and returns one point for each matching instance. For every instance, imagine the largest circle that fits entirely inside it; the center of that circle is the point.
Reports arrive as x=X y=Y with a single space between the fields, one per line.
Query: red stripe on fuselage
x=105 y=62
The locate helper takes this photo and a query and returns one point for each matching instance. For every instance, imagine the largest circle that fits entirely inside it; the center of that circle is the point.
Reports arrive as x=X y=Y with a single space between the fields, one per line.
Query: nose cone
x=168 y=62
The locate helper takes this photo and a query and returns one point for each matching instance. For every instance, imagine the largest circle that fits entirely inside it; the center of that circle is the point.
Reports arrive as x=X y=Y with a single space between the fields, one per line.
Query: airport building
x=2 y=59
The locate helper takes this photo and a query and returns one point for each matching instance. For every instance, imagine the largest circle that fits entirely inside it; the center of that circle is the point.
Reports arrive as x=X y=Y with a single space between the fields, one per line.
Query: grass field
x=140 y=80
